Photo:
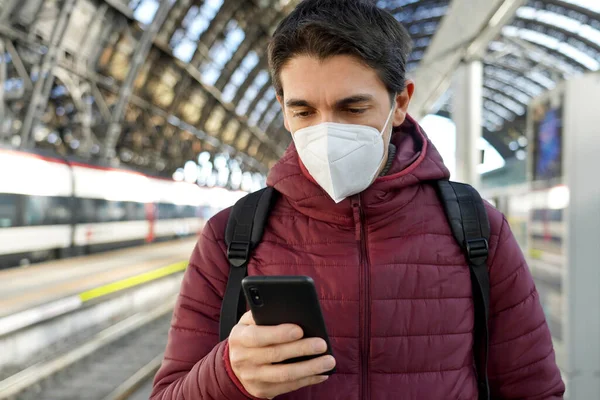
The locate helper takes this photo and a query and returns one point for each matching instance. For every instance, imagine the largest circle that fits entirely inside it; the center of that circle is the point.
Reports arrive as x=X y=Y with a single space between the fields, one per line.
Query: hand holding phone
x=256 y=353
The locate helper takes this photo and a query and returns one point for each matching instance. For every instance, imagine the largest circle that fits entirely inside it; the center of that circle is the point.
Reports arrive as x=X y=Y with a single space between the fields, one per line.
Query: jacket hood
x=416 y=161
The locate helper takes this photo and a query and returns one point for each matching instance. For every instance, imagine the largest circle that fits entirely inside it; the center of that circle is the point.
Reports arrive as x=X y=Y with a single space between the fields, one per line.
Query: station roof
x=182 y=77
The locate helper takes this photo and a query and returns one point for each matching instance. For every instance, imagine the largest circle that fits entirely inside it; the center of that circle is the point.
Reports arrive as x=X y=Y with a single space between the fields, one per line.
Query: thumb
x=247 y=319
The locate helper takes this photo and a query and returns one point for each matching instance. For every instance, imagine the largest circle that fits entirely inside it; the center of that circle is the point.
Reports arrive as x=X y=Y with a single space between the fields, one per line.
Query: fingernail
x=329 y=363
x=323 y=378
x=296 y=334
x=319 y=346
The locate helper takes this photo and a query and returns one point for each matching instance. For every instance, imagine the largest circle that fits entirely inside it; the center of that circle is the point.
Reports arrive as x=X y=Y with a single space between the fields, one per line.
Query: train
x=52 y=208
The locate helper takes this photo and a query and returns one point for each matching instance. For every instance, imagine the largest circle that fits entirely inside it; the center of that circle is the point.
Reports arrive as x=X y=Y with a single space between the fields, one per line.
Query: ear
x=402 y=101
x=285 y=120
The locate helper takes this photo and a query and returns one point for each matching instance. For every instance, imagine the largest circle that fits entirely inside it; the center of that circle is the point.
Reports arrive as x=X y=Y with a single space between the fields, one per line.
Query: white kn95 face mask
x=342 y=158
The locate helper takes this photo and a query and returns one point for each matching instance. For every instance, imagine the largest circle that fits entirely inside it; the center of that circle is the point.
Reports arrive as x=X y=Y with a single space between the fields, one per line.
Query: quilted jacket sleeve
x=194 y=365
x=522 y=362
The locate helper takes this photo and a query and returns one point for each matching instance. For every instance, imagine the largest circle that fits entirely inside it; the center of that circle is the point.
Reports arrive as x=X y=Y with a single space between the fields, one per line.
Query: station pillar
x=467 y=109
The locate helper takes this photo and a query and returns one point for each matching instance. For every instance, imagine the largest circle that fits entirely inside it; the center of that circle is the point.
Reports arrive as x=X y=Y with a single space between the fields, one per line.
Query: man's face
x=338 y=89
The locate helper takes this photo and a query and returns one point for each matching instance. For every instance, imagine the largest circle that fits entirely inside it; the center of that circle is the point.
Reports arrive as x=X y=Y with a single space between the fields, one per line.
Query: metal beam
x=2 y=81
x=77 y=90
x=456 y=41
x=7 y=10
x=18 y=63
x=45 y=79
x=137 y=61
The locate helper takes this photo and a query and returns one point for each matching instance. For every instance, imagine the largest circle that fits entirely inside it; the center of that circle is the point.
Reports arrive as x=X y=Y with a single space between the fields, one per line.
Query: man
x=358 y=213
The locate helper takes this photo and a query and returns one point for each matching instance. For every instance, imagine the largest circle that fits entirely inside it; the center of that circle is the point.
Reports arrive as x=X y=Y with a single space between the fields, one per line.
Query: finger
x=309 y=381
x=285 y=373
x=247 y=319
x=272 y=391
x=262 y=336
x=282 y=352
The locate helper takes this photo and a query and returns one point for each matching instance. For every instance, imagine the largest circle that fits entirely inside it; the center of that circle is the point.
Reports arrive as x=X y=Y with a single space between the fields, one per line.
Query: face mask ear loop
x=389 y=118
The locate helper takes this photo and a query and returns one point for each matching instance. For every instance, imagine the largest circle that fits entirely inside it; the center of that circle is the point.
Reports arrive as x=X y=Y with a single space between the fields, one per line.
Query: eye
x=302 y=114
x=356 y=111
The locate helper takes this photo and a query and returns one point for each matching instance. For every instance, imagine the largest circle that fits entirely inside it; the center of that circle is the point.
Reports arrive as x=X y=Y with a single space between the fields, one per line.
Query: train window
x=179 y=211
x=132 y=211
x=115 y=211
x=190 y=212
x=59 y=211
x=86 y=211
x=166 y=211
x=140 y=211
x=8 y=210
x=102 y=212
x=35 y=211
x=41 y=210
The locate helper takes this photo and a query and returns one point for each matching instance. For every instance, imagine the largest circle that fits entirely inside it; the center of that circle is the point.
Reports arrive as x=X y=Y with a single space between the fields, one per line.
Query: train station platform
x=46 y=290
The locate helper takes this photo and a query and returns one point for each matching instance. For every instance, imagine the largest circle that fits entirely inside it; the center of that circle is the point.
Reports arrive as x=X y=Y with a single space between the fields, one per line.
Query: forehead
x=307 y=77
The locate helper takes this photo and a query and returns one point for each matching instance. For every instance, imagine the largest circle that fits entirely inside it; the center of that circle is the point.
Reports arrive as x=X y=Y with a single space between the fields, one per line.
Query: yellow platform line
x=132 y=281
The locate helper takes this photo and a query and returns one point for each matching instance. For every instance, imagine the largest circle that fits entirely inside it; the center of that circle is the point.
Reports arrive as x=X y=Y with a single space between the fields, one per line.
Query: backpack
x=468 y=220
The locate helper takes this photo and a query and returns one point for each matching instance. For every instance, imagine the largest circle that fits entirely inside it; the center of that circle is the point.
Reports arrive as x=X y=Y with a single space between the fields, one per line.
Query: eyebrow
x=359 y=98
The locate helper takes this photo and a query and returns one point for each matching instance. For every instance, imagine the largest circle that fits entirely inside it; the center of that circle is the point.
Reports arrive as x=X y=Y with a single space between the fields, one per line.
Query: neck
x=389 y=157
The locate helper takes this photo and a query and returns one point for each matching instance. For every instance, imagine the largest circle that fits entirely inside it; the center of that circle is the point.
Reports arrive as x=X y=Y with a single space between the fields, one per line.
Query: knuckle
x=253 y=337
x=247 y=337
x=247 y=376
x=262 y=393
x=235 y=335
x=273 y=354
x=283 y=376
x=235 y=357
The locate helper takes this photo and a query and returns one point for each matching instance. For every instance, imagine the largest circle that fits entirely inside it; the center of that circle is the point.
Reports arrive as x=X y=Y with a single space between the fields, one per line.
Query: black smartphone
x=276 y=300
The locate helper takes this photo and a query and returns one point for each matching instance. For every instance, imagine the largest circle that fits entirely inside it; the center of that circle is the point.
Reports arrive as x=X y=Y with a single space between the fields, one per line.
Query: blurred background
x=125 y=125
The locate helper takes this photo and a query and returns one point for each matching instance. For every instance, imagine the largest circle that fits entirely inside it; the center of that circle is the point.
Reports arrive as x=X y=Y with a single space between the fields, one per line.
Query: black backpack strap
x=471 y=228
x=243 y=233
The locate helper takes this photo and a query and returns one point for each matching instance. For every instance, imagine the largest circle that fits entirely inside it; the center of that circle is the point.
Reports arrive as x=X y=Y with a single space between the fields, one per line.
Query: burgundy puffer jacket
x=394 y=288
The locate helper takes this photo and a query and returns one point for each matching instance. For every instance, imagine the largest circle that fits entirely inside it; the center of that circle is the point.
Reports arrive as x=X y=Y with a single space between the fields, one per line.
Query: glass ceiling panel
x=504 y=101
x=521 y=97
x=207 y=13
x=498 y=110
x=496 y=120
x=261 y=79
x=145 y=11
x=239 y=76
x=554 y=44
x=185 y=39
x=592 y=5
x=580 y=31
x=395 y=3
x=272 y=113
x=511 y=78
x=261 y=106
x=221 y=52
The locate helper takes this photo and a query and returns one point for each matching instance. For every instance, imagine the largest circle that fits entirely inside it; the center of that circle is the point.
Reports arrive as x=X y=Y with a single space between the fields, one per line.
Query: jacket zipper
x=364 y=310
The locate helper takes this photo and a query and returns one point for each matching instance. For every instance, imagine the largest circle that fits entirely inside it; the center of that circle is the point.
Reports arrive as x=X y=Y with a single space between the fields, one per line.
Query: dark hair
x=326 y=28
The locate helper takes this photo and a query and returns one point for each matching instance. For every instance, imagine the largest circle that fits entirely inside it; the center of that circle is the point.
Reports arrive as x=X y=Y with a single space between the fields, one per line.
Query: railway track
x=113 y=364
